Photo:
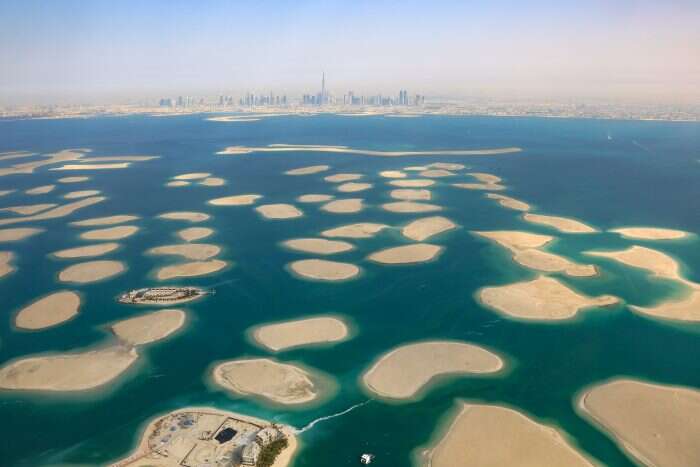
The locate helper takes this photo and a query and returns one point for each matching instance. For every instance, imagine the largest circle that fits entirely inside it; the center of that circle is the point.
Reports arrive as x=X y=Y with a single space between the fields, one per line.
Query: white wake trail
x=328 y=417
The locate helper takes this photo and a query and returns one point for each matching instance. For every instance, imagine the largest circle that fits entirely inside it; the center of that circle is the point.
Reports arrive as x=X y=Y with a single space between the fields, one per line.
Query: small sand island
x=359 y=230
x=196 y=436
x=189 y=216
x=48 y=311
x=150 y=327
x=352 y=187
x=192 y=234
x=658 y=263
x=6 y=260
x=403 y=372
x=344 y=206
x=686 y=308
x=193 y=251
x=446 y=166
x=413 y=183
x=238 y=150
x=543 y=298
x=314 y=198
x=190 y=269
x=650 y=233
x=20 y=233
x=279 y=211
x=192 y=176
x=406 y=207
x=314 y=169
x=341 y=178
x=162 y=295
x=319 y=246
x=656 y=424
x=76 y=179
x=57 y=212
x=423 y=229
x=493 y=435
x=110 y=233
x=409 y=194
x=324 y=270
x=109 y=220
x=277 y=382
x=212 y=181
x=300 y=333
x=407 y=254
x=436 y=173
x=392 y=174
x=69 y=371
x=81 y=194
x=562 y=224
x=29 y=209
x=508 y=202
x=40 y=190
x=236 y=200
x=91 y=271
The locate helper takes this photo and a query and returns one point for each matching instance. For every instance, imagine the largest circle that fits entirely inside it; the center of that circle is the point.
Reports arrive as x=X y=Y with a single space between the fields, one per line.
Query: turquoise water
x=647 y=174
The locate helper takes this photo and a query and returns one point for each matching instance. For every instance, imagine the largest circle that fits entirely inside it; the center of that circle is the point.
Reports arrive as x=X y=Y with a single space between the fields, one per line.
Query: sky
x=66 y=51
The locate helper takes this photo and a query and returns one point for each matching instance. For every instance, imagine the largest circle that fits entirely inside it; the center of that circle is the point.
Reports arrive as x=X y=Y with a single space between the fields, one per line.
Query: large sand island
x=403 y=372
x=423 y=229
x=491 y=435
x=235 y=200
x=341 y=178
x=150 y=327
x=650 y=233
x=98 y=249
x=109 y=220
x=411 y=194
x=17 y=234
x=190 y=269
x=49 y=311
x=352 y=187
x=658 y=263
x=323 y=270
x=543 y=298
x=298 y=333
x=413 y=183
x=237 y=150
x=193 y=251
x=110 y=233
x=192 y=234
x=563 y=224
x=314 y=169
x=314 y=198
x=344 y=206
x=406 y=254
x=686 y=308
x=656 y=424
x=318 y=245
x=57 y=212
x=189 y=216
x=508 y=202
x=359 y=230
x=279 y=211
x=91 y=271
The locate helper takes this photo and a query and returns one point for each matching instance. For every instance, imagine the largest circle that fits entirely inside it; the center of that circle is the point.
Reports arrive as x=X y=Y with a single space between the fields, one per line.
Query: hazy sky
x=111 y=51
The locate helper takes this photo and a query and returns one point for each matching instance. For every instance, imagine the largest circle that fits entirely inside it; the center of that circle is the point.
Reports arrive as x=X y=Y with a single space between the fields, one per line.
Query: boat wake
x=328 y=417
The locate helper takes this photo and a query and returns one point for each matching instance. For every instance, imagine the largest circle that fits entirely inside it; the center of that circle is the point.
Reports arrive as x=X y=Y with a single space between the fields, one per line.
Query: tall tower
x=323 y=87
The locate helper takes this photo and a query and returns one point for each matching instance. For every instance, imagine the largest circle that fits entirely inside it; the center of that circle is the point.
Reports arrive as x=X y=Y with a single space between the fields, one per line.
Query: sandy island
x=81 y=194
x=185 y=216
x=412 y=183
x=177 y=183
x=15 y=235
x=113 y=166
x=237 y=150
x=491 y=435
x=341 y=178
x=98 y=249
x=314 y=169
x=403 y=372
x=314 y=198
x=69 y=371
x=109 y=220
x=299 y=333
x=150 y=327
x=508 y=202
x=686 y=308
x=91 y=271
x=192 y=176
x=410 y=207
x=446 y=166
x=190 y=269
x=48 y=311
x=650 y=233
x=352 y=187
x=192 y=234
x=76 y=179
x=323 y=270
x=29 y=209
x=359 y=230
x=212 y=181
x=658 y=263
x=543 y=298
x=344 y=206
x=407 y=254
x=436 y=173
x=562 y=224
x=318 y=245
x=40 y=190
x=278 y=382
x=423 y=229
x=407 y=194
x=110 y=233
x=279 y=211
x=193 y=251
x=659 y=425
x=392 y=174
x=60 y=211
x=6 y=260
x=236 y=200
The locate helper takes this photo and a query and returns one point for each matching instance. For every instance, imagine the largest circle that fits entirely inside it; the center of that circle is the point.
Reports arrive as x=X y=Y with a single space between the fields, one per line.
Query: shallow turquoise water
x=647 y=174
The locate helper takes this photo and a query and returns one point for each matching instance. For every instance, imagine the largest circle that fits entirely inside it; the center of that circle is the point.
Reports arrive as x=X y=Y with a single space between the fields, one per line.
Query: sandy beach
x=427 y=227
x=403 y=372
x=491 y=435
x=190 y=269
x=298 y=333
x=410 y=207
x=314 y=198
x=650 y=233
x=508 y=202
x=562 y=224
x=314 y=169
x=109 y=220
x=98 y=249
x=67 y=372
x=149 y=327
x=543 y=298
x=279 y=211
x=324 y=270
x=48 y=311
x=192 y=234
x=15 y=235
x=408 y=194
x=55 y=213
x=341 y=178
x=352 y=187
x=658 y=425
x=407 y=254
x=193 y=251
x=110 y=233
x=236 y=200
x=91 y=271
x=189 y=216
x=81 y=194
x=412 y=183
x=359 y=230
x=29 y=209
x=319 y=246
x=344 y=206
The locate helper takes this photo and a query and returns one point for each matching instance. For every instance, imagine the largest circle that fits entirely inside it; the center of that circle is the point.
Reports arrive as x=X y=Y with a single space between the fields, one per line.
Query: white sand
x=299 y=333
x=412 y=183
x=6 y=260
x=406 y=254
x=658 y=425
x=190 y=269
x=341 y=178
x=192 y=234
x=109 y=220
x=279 y=211
x=407 y=194
x=185 y=216
x=344 y=206
x=213 y=181
x=392 y=174
x=562 y=224
x=149 y=327
x=67 y=372
x=308 y=170
x=318 y=245
x=81 y=194
x=14 y=235
x=192 y=176
x=314 y=198
x=410 y=207
x=427 y=227
x=193 y=251
x=40 y=190
x=91 y=271
x=236 y=200
x=29 y=209
x=323 y=270
x=60 y=211
x=98 y=249
x=77 y=179
x=49 y=311
x=352 y=187
x=650 y=233
x=508 y=202
x=359 y=230
x=403 y=372
x=543 y=298
x=110 y=233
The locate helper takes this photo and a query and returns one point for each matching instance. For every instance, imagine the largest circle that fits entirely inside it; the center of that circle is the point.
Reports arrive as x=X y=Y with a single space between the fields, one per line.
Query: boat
x=366 y=459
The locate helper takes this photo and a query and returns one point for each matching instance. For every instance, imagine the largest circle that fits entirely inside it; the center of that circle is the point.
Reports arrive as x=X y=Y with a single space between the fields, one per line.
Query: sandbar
x=436 y=173
x=190 y=216
x=237 y=150
x=650 y=233
x=308 y=170
x=117 y=165
x=359 y=230
x=392 y=174
x=407 y=254
x=110 y=233
x=323 y=270
x=279 y=211
x=491 y=435
x=192 y=234
x=658 y=425
x=403 y=372
x=76 y=179
x=98 y=249
x=48 y=311
x=177 y=183
x=69 y=371
x=278 y=382
x=686 y=308
x=193 y=251
x=190 y=269
x=81 y=194
x=344 y=206
x=340 y=178
x=14 y=235
x=6 y=259
x=423 y=229
x=149 y=327
x=213 y=181
x=314 y=198
x=408 y=194
x=352 y=187
x=508 y=202
x=543 y=298
x=60 y=211
x=236 y=200
x=192 y=176
x=412 y=183
x=91 y=271
x=318 y=245
x=410 y=206
x=109 y=220
x=658 y=263
x=562 y=224
x=29 y=209
x=299 y=333
x=40 y=190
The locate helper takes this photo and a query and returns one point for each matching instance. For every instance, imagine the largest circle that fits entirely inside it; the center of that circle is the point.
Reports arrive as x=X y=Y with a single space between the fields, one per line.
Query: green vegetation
x=269 y=453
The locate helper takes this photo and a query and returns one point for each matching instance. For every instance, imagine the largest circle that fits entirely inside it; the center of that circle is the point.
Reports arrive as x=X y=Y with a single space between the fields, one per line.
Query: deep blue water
x=648 y=173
